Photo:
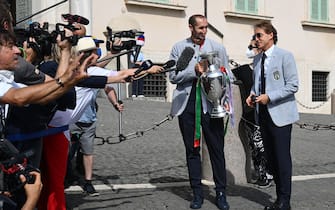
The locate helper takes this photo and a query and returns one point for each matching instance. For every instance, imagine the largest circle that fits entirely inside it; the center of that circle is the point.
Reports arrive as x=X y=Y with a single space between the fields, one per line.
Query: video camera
x=44 y=39
x=125 y=45
x=13 y=164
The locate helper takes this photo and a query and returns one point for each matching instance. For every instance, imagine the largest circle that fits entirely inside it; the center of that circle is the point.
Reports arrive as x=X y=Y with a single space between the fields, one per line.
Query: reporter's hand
x=76 y=70
x=33 y=191
x=119 y=106
x=155 y=69
x=63 y=44
x=30 y=54
x=124 y=75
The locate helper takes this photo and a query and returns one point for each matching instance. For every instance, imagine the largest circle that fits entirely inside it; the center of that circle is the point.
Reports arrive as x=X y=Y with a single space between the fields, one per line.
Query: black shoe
x=264 y=183
x=70 y=180
x=197 y=202
x=89 y=189
x=221 y=201
x=278 y=206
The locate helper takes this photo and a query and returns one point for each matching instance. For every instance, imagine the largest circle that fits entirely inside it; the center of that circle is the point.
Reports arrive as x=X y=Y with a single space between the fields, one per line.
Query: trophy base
x=218 y=112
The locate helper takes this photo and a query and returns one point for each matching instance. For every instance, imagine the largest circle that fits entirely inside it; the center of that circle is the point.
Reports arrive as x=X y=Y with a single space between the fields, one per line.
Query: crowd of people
x=49 y=107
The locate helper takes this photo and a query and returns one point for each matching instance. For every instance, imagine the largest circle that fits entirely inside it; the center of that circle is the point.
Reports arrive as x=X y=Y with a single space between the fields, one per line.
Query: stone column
x=237 y=159
x=332 y=101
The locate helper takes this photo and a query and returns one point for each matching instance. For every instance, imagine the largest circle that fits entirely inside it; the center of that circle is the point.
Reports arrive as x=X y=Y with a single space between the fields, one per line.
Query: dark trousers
x=277 y=144
x=137 y=87
x=213 y=131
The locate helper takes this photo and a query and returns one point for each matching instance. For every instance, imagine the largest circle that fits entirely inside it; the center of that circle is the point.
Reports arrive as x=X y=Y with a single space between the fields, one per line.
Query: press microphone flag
x=139 y=43
x=140 y=40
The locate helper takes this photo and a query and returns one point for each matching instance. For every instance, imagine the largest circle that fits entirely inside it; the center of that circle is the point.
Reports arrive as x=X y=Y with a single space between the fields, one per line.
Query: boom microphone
x=184 y=59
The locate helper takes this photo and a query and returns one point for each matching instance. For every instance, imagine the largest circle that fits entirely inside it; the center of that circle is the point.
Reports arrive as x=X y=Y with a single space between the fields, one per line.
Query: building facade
x=305 y=27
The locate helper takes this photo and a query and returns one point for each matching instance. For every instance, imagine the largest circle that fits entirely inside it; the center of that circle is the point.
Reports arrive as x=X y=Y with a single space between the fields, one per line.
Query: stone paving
x=158 y=158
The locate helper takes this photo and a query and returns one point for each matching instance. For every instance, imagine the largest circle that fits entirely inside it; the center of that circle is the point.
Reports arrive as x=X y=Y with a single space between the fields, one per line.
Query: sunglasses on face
x=258 y=35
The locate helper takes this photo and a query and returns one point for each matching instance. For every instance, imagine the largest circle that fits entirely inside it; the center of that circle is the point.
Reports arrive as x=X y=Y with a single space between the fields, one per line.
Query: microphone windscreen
x=169 y=64
x=140 y=40
x=184 y=58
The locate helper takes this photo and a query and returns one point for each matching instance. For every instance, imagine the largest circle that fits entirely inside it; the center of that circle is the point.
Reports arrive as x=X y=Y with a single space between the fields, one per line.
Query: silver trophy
x=213 y=84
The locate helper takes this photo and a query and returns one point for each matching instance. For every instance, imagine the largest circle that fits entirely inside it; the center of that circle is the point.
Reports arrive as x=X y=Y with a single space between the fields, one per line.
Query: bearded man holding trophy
x=197 y=101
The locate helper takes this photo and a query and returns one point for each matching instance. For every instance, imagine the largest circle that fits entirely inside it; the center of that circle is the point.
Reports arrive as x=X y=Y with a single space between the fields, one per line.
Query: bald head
x=81 y=30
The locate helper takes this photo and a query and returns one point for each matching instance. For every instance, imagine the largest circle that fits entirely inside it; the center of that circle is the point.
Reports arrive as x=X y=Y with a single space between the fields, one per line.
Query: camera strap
x=2 y=125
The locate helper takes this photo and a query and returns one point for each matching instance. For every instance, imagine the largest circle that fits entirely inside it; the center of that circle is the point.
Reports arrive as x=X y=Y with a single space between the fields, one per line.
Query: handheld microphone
x=184 y=59
x=75 y=19
x=147 y=64
x=168 y=66
x=144 y=66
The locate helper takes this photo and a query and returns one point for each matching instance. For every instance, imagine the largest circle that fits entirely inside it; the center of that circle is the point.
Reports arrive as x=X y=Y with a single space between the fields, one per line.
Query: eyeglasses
x=258 y=35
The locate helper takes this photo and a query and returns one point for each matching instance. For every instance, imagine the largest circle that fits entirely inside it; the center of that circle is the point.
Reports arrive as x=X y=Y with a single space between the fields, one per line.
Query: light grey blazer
x=281 y=85
x=184 y=79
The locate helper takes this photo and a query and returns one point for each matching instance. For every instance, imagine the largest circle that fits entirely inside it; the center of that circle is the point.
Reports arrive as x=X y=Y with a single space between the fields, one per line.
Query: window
x=319 y=86
x=155 y=85
x=319 y=10
x=246 y=6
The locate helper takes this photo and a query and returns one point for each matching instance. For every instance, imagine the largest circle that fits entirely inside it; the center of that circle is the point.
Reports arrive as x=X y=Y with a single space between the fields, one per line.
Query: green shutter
x=319 y=10
x=246 y=6
x=240 y=5
x=324 y=10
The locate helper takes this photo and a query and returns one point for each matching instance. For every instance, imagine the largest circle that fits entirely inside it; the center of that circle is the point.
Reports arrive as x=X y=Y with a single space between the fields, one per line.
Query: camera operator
x=18 y=94
x=32 y=192
x=57 y=144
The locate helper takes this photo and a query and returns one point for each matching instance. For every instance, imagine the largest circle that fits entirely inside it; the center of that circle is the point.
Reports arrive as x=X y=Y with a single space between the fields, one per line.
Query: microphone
x=184 y=59
x=147 y=64
x=75 y=19
x=168 y=65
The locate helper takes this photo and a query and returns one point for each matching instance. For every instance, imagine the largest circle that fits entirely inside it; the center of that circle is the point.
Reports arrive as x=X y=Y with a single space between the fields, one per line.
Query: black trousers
x=213 y=131
x=277 y=144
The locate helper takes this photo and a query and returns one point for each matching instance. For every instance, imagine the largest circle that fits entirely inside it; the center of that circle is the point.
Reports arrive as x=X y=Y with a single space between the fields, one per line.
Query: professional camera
x=13 y=164
x=43 y=39
x=125 y=45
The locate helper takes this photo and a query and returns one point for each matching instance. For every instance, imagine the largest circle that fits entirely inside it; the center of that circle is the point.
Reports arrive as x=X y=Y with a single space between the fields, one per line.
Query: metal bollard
x=332 y=101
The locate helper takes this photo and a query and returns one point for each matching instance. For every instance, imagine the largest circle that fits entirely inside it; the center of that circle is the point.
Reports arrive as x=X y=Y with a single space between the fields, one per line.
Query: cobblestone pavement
x=156 y=163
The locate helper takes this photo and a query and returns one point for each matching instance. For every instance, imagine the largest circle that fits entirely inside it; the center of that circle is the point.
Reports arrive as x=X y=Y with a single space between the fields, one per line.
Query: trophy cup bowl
x=213 y=84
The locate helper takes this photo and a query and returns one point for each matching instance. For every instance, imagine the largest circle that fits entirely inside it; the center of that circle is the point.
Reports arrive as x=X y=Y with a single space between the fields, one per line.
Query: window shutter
x=247 y=6
x=324 y=10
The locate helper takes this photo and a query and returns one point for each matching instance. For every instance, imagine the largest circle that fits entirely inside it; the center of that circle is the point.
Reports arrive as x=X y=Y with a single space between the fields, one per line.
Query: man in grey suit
x=184 y=106
x=275 y=83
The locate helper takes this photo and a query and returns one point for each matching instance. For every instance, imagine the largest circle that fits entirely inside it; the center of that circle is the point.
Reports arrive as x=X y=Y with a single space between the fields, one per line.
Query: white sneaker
x=140 y=96
x=133 y=96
